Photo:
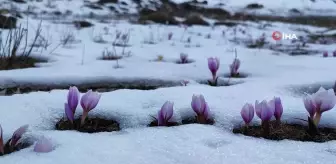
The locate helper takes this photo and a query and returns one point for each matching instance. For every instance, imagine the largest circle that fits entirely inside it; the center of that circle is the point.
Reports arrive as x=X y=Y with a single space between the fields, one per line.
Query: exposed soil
x=101 y=86
x=21 y=145
x=92 y=125
x=19 y=62
x=193 y=120
x=170 y=124
x=221 y=82
x=289 y=131
x=238 y=75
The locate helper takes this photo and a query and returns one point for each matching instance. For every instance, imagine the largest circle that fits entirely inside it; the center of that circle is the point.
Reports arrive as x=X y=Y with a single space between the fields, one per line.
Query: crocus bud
x=325 y=54
x=324 y=99
x=310 y=105
x=247 y=113
x=165 y=113
x=17 y=135
x=198 y=104
x=213 y=65
x=43 y=145
x=2 y=151
x=73 y=97
x=257 y=107
x=278 y=108
x=234 y=67
x=265 y=110
x=88 y=102
x=68 y=112
x=334 y=53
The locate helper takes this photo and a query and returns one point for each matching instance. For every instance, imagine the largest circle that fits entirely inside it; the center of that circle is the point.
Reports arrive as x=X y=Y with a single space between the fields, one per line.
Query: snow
x=270 y=74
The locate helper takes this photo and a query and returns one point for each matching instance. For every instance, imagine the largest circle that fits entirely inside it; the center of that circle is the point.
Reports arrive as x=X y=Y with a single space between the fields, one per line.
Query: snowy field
x=269 y=74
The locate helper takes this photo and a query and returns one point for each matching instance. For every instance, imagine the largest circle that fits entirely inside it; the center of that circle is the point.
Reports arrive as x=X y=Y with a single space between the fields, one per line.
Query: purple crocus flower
x=247 y=113
x=88 y=102
x=17 y=135
x=264 y=110
x=334 y=53
x=278 y=108
x=73 y=97
x=43 y=145
x=200 y=106
x=69 y=113
x=234 y=67
x=213 y=65
x=325 y=54
x=310 y=105
x=165 y=113
x=324 y=100
x=2 y=151
x=184 y=58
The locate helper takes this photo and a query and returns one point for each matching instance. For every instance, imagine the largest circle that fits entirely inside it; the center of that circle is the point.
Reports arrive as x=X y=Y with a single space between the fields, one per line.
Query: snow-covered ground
x=270 y=74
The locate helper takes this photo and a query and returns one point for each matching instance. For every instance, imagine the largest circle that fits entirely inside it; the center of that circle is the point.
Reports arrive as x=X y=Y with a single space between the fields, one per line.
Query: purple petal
x=73 y=98
x=68 y=112
x=90 y=100
x=310 y=105
x=278 y=108
x=43 y=146
x=329 y=101
x=167 y=110
x=18 y=134
x=197 y=103
x=266 y=111
x=206 y=111
x=213 y=64
x=247 y=113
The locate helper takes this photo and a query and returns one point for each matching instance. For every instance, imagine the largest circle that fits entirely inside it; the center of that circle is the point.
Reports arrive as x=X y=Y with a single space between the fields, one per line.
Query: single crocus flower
x=247 y=113
x=200 y=107
x=278 y=109
x=73 y=98
x=184 y=58
x=266 y=111
x=334 y=53
x=88 y=102
x=234 y=67
x=2 y=151
x=43 y=145
x=213 y=65
x=165 y=113
x=17 y=135
x=324 y=101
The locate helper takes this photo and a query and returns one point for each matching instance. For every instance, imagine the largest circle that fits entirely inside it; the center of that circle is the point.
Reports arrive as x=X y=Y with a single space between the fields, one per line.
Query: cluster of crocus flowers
x=234 y=67
x=183 y=58
x=213 y=65
x=201 y=108
x=12 y=143
x=165 y=113
x=88 y=102
x=317 y=103
x=265 y=110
